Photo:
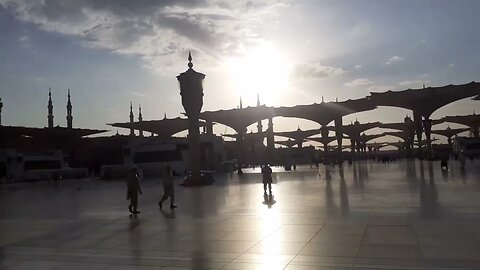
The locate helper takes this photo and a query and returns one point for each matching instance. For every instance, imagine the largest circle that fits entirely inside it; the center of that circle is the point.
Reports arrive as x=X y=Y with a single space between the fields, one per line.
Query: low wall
x=41 y=175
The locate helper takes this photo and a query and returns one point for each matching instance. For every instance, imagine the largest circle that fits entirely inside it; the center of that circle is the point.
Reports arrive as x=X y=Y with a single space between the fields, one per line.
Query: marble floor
x=401 y=215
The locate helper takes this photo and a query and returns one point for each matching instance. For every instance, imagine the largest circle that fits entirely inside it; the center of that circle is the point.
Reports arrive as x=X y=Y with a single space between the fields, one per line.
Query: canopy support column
x=270 y=140
x=339 y=133
x=427 y=125
x=417 y=119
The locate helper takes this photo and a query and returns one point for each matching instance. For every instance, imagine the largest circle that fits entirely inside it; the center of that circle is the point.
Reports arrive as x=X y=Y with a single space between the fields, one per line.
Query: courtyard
x=399 y=215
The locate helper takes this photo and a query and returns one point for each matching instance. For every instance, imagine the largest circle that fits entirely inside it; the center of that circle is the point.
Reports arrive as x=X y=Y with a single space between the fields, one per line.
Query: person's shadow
x=134 y=230
x=445 y=175
x=268 y=200
x=463 y=174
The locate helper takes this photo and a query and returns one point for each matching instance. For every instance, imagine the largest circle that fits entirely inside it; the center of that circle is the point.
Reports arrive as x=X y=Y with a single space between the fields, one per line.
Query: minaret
x=69 y=112
x=50 y=109
x=259 y=124
x=140 y=119
x=241 y=107
x=1 y=106
x=132 y=131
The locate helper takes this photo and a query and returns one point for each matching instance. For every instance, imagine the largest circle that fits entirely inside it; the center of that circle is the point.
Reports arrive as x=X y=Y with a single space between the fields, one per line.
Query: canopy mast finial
x=190 y=64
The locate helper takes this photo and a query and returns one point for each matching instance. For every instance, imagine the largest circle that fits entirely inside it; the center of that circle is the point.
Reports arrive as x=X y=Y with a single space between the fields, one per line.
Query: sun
x=260 y=70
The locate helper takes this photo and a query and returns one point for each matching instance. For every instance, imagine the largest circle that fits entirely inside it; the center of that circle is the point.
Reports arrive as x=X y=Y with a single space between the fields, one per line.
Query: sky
x=110 y=53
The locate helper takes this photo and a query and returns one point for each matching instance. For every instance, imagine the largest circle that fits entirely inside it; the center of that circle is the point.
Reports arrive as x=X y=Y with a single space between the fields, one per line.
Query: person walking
x=267 y=178
x=133 y=188
x=167 y=188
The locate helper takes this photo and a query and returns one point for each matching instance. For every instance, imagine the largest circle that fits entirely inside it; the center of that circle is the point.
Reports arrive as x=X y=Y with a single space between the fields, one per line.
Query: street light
x=191 y=90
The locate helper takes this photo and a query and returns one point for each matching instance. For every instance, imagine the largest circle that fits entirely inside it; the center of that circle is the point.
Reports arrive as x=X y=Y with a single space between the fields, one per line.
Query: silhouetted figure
x=267 y=178
x=57 y=177
x=167 y=188
x=444 y=163
x=133 y=188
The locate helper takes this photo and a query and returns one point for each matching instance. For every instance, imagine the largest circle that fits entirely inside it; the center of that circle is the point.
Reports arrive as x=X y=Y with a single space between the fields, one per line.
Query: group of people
x=133 y=189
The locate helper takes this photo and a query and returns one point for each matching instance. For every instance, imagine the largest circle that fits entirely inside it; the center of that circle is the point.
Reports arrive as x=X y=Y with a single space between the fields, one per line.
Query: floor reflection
x=329 y=199
x=268 y=200
x=429 y=205
x=445 y=174
x=134 y=236
x=230 y=225
x=197 y=204
x=355 y=176
x=412 y=175
x=364 y=176
x=360 y=174
x=328 y=173
x=269 y=253
x=171 y=228
x=199 y=260
x=344 y=204
x=463 y=174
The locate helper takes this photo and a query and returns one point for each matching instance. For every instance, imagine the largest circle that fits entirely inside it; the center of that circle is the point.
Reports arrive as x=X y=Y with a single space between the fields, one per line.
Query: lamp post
x=191 y=90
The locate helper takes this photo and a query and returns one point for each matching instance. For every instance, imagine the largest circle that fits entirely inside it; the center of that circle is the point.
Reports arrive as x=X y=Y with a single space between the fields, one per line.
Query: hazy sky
x=111 y=52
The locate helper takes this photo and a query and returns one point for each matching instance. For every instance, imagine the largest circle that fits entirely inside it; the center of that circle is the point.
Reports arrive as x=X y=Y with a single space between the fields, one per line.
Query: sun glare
x=261 y=70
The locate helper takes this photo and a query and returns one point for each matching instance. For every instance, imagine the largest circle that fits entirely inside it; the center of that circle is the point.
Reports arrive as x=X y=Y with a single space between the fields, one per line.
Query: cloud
x=414 y=83
x=25 y=41
x=24 y=38
x=358 y=66
x=160 y=32
x=394 y=59
x=381 y=88
x=316 y=71
x=137 y=93
x=362 y=82
x=451 y=65
x=370 y=84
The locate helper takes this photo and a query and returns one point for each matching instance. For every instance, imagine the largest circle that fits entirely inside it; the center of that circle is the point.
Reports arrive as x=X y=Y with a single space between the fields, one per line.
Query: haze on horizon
x=289 y=52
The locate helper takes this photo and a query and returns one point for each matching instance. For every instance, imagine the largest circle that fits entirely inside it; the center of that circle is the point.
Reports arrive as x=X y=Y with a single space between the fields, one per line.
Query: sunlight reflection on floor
x=272 y=246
